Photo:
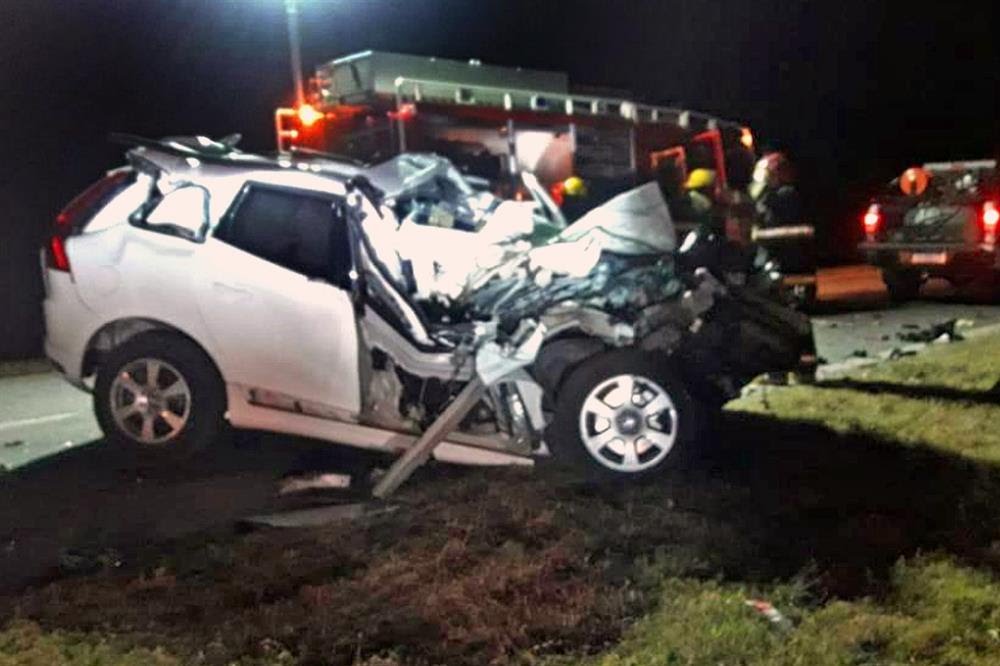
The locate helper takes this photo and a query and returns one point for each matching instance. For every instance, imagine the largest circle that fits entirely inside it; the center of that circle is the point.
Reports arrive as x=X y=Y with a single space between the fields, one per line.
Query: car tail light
x=57 y=254
x=79 y=211
x=991 y=219
x=872 y=219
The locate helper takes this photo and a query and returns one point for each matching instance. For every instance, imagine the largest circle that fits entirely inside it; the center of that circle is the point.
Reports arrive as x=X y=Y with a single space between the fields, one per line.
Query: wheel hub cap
x=628 y=423
x=150 y=401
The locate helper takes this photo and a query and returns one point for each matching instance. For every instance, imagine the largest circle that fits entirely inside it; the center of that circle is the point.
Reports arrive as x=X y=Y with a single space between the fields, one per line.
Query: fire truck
x=495 y=122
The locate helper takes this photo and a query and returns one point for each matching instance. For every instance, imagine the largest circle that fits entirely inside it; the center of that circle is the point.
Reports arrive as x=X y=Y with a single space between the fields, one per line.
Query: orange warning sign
x=914 y=181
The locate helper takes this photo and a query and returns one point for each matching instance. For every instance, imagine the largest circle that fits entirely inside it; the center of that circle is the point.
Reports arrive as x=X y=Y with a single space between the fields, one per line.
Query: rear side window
x=302 y=231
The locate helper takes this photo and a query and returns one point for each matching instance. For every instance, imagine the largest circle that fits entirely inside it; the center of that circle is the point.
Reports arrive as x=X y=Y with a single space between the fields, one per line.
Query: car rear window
x=302 y=231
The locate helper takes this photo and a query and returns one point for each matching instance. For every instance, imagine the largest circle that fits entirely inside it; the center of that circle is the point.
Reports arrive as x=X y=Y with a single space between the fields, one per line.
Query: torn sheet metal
x=383 y=399
x=495 y=362
x=413 y=174
x=635 y=222
x=620 y=286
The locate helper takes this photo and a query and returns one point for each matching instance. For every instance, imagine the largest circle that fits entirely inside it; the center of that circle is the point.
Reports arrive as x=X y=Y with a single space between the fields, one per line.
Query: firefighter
x=573 y=199
x=781 y=229
x=774 y=193
x=700 y=195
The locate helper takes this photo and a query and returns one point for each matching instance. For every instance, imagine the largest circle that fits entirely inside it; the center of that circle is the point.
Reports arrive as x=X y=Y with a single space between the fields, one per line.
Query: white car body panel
x=69 y=325
x=458 y=448
x=286 y=346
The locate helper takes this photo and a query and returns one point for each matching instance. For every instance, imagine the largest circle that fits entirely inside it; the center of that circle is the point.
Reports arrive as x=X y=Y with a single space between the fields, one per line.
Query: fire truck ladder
x=414 y=91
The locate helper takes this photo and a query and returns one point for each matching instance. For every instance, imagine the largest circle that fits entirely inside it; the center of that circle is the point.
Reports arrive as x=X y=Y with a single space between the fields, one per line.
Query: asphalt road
x=869 y=333
x=72 y=511
x=41 y=414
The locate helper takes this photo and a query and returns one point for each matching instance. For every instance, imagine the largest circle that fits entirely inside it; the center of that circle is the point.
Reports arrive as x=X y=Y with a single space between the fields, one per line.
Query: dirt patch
x=490 y=566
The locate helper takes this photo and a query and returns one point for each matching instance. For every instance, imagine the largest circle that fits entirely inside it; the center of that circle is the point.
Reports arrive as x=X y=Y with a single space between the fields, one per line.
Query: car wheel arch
x=558 y=356
x=115 y=333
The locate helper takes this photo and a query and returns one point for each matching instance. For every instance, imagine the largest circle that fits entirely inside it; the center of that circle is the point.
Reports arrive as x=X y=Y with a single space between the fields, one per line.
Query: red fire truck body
x=494 y=122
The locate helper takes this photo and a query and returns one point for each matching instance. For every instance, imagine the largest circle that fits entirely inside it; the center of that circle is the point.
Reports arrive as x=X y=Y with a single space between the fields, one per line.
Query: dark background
x=854 y=91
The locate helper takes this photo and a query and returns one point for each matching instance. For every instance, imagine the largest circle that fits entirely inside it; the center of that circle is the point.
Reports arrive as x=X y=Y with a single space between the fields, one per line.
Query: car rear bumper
x=69 y=323
x=935 y=259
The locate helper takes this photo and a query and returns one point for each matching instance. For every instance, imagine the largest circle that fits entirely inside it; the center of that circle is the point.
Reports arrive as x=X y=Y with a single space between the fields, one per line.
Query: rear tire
x=902 y=285
x=160 y=398
x=603 y=434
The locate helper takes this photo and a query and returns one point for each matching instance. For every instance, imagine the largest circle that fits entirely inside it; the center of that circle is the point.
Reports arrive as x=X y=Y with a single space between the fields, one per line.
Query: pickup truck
x=937 y=220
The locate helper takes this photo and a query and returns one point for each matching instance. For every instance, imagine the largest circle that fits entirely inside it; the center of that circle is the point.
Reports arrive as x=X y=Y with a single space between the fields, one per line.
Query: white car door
x=275 y=297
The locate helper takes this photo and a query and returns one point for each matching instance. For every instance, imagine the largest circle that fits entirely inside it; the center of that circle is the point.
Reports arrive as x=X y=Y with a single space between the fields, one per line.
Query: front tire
x=623 y=415
x=159 y=397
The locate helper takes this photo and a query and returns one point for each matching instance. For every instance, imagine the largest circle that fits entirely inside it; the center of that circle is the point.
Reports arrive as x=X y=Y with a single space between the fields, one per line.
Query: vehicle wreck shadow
x=73 y=513
x=849 y=505
x=989 y=397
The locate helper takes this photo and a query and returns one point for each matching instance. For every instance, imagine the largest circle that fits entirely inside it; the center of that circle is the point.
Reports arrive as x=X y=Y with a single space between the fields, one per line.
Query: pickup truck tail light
x=74 y=217
x=991 y=220
x=872 y=219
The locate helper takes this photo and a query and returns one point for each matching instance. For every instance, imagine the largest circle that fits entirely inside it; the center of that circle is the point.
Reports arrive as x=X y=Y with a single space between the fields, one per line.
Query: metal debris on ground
x=771 y=614
x=941 y=332
x=896 y=353
x=327 y=481
x=317 y=516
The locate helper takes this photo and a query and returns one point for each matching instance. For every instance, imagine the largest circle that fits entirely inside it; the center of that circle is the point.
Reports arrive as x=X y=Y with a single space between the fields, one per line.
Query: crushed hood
x=636 y=222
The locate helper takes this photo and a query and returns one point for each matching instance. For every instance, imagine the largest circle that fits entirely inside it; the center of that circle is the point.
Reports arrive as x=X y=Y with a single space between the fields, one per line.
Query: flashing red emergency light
x=404 y=113
x=308 y=115
x=872 y=219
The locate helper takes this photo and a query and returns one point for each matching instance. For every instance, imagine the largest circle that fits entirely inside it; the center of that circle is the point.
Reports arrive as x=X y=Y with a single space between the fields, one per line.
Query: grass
x=946 y=398
x=935 y=612
x=25 y=644
x=865 y=510
x=932 y=610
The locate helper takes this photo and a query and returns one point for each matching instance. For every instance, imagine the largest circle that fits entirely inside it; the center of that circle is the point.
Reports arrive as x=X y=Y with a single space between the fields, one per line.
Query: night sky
x=854 y=91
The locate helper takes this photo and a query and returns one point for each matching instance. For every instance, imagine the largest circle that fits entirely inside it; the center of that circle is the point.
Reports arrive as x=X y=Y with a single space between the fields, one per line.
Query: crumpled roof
x=409 y=173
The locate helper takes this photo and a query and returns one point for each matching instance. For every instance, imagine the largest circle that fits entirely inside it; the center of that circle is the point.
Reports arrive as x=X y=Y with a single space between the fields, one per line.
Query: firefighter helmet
x=575 y=187
x=699 y=179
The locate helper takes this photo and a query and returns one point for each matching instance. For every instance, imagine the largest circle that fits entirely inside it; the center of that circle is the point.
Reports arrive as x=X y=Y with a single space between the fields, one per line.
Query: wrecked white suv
x=201 y=285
